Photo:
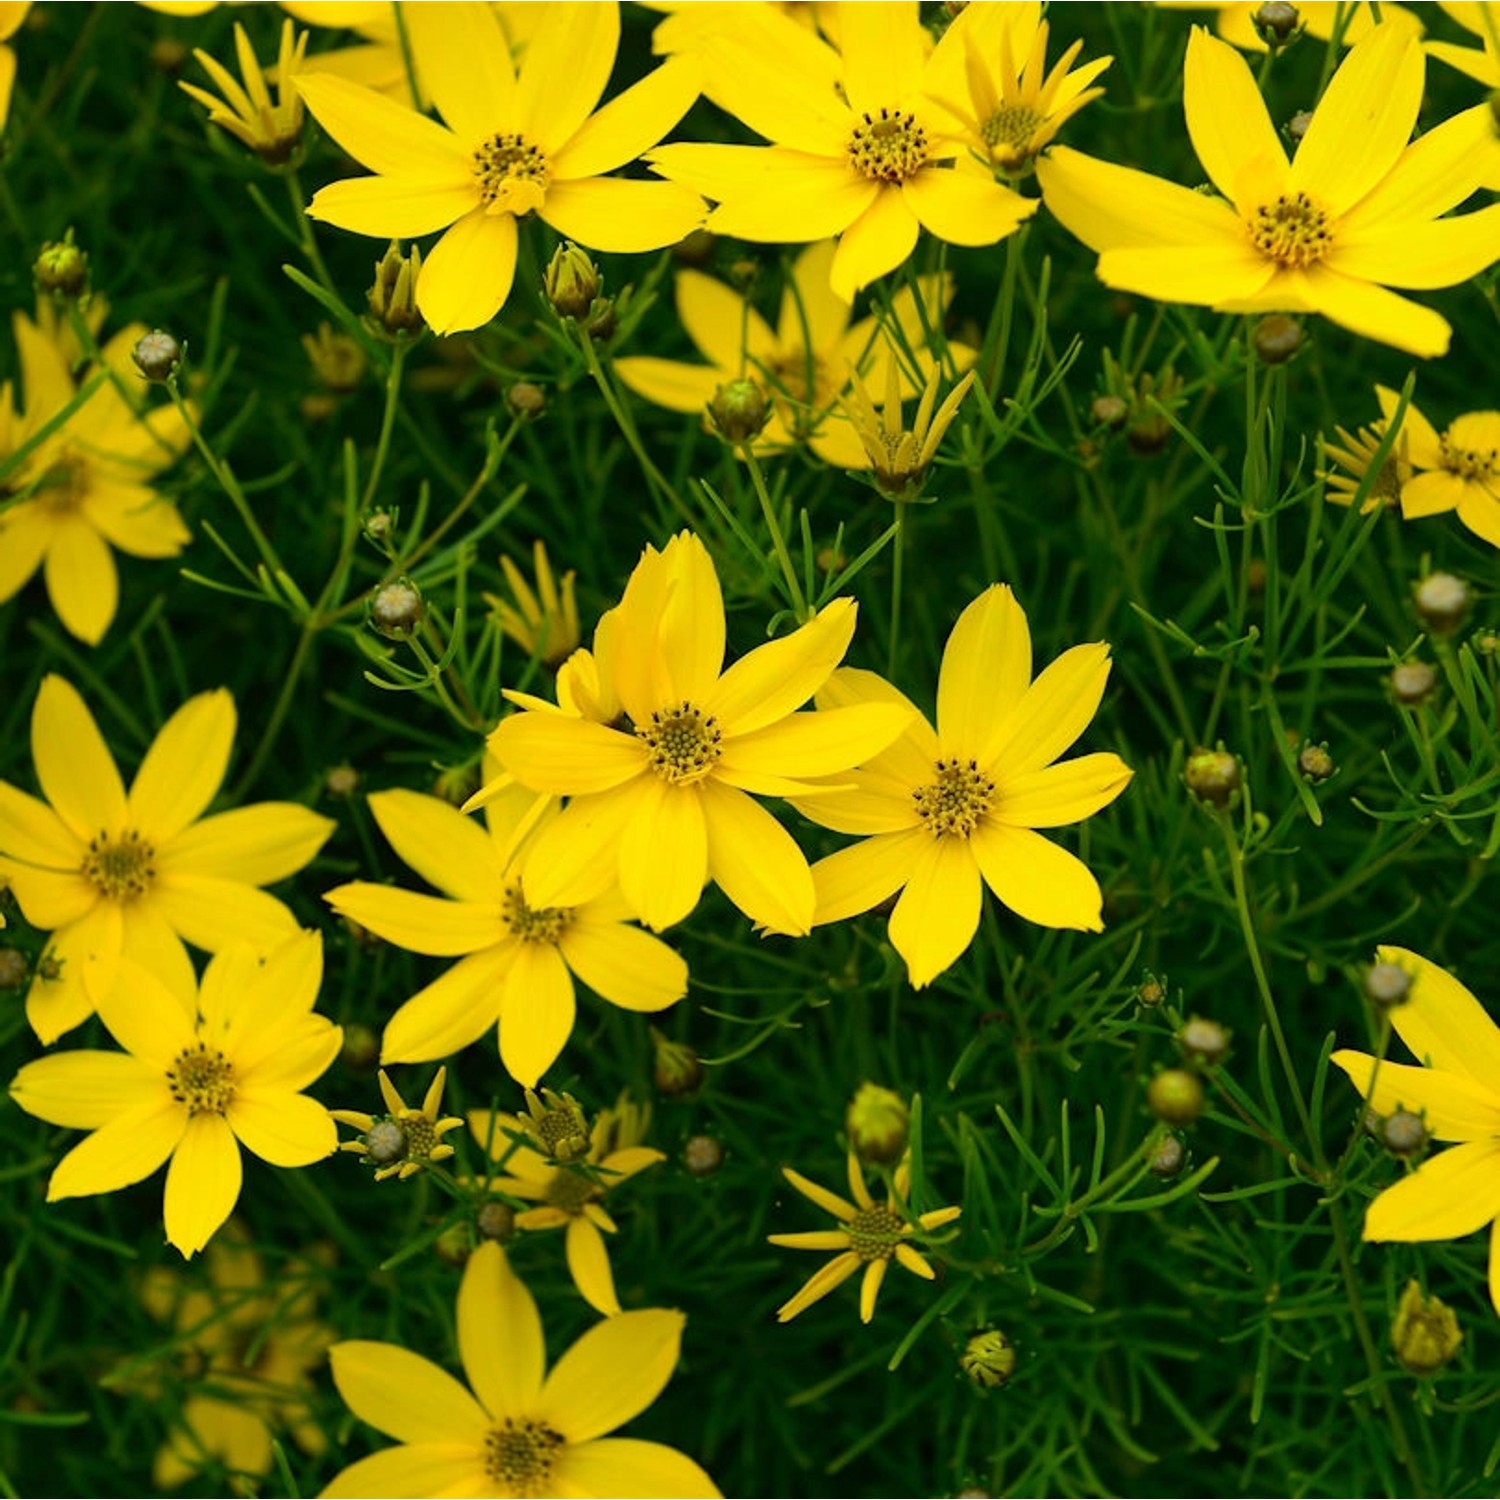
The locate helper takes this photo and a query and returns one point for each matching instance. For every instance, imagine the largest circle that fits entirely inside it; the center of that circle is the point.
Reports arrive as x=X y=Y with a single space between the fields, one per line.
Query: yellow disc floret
x=957 y=800
x=512 y=173
x=518 y=1457
x=202 y=1079
x=121 y=868
x=1292 y=231
x=684 y=743
x=889 y=146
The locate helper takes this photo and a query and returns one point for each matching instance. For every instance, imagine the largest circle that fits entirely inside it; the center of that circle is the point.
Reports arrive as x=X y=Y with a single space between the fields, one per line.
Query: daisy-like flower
x=945 y=807
x=1456 y=1092
x=665 y=805
x=518 y=956
x=1457 y=469
x=870 y=1236
x=992 y=78
x=1354 y=212
x=516 y=1431
x=110 y=874
x=802 y=364
x=402 y=1141
x=543 y=623
x=272 y=129
x=84 y=488
x=570 y=1195
x=204 y=1072
x=377 y=61
x=513 y=145
x=871 y=160
x=1355 y=455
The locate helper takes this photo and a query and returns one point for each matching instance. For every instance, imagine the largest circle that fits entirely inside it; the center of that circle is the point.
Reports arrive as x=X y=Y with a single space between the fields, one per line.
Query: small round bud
x=49 y=967
x=1255 y=575
x=988 y=1359
x=702 y=1155
x=1151 y=991
x=1213 y=776
x=1176 y=1096
x=341 y=781
x=1442 y=600
x=526 y=399
x=157 y=355
x=361 y=1049
x=13 y=968
x=167 y=54
x=1296 y=127
x=601 y=321
x=1315 y=763
x=739 y=411
x=571 y=281
x=1425 y=1332
x=452 y=1245
x=695 y=249
x=378 y=527
x=495 y=1220
x=1277 y=338
x=338 y=362
x=385 y=1142
x=1109 y=411
x=1412 y=683
x=1203 y=1041
x=876 y=1123
x=1487 y=642
x=396 y=609
x=391 y=303
x=1169 y=1158
x=1276 y=22
x=675 y=1067
x=830 y=560
x=1386 y=985
x=1404 y=1134
x=62 y=268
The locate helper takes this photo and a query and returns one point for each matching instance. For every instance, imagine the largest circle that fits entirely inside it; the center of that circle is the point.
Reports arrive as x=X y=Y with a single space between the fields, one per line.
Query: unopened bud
x=337 y=360
x=1255 y=575
x=1386 y=985
x=1176 y=1096
x=1109 y=411
x=1277 y=338
x=13 y=968
x=452 y=1245
x=1315 y=763
x=525 y=399
x=557 y=1125
x=157 y=355
x=341 y=781
x=1442 y=600
x=1276 y=22
x=1487 y=642
x=695 y=249
x=1203 y=1041
x=396 y=609
x=1169 y=1158
x=876 y=1123
x=391 y=303
x=675 y=1067
x=702 y=1155
x=601 y=321
x=1151 y=991
x=1412 y=683
x=378 y=527
x=1296 y=127
x=361 y=1049
x=167 y=54
x=1425 y=1332
x=62 y=268
x=988 y=1359
x=385 y=1142
x=1404 y=1134
x=495 y=1220
x=1213 y=776
x=571 y=281
x=739 y=411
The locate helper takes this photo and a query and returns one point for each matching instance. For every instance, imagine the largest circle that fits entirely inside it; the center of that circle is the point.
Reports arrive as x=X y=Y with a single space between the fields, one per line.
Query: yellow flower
x=1355 y=211
x=1236 y=20
x=543 y=623
x=950 y=806
x=871 y=1236
x=1356 y=456
x=569 y=1195
x=899 y=456
x=520 y=1432
x=84 y=487
x=512 y=145
x=991 y=77
x=1454 y=1192
x=518 y=959
x=802 y=364
x=1458 y=468
x=377 y=62
x=12 y=14
x=139 y=875
x=665 y=805
x=1482 y=17
x=402 y=1141
x=271 y=130
x=869 y=160
x=203 y=1073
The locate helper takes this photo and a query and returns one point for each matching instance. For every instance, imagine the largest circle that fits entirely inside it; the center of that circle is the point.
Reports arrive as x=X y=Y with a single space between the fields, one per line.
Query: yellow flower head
x=945 y=807
x=870 y=1236
x=1456 y=469
x=271 y=129
x=570 y=1195
x=665 y=804
x=402 y=1141
x=1355 y=455
x=1456 y=1093
x=517 y=1430
x=140 y=874
x=1355 y=211
x=543 y=623
x=513 y=144
x=204 y=1072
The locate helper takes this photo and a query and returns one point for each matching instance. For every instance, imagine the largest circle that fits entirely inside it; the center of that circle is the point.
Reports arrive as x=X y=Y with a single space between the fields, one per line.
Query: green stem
x=898 y=568
x=778 y=542
x=305 y=236
x=654 y=476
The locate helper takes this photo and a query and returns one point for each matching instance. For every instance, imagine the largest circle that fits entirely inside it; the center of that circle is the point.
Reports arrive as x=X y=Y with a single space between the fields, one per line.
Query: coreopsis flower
x=950 y=810
x=569 y=1195
x=84 y=488
x=377 y=60
x=402 y=1141
x=1454 y=1192
x=1354 y=212
x=870 y=1236
x=139 y=875
x=900 y=456
x=1456 y=469
x=272 y=129
x=12 y=14
x=870 y=159
x=205 y=1071
x=1355 y=455
x=516 y=1430
x=666 y=804
x=518 y=957
x=513 y=144
x=544 y=622
x=991 y=76
x=801 y=366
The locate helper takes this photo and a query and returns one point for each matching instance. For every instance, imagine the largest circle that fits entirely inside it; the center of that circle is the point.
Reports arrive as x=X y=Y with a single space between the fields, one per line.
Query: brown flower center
x=875 y=1232
x=122 y=868
x=957 y=800
x=1009 y=132
x=1292 y=231
x=518 y=1456
x=544 y=924
x=569 y=1191
x=684 y=743
x=1469 y=463
x=889 y=146
x=512 y=173
x=202 y=1078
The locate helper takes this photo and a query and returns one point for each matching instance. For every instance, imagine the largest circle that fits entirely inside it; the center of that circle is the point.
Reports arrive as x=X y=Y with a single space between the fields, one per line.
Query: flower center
x=121 y=869
x=889 y=147
x=512 y=174
x=1292 y=231
x=385 y=1142
x=202 y=1078
x=1009 y=132
x=544 y=924
x=1469 y=463
x=874 y=1233
x=569 y=1191
x=421 y=1135
x=957 y=800
x=518 y=1456
x=684 y=743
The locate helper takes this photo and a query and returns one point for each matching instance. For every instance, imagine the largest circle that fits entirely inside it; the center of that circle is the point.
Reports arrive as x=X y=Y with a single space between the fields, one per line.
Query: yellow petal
x=631 y=123
x=85 y=1090
x=1223 y=272
x=624 y=965
x=446 y=849
x=149 y=942
x=938 y=913
x=568 y=62
x=135 y=519
x=1438 y=171
x=394 y=207
x=464 y=60
x=865 y=804
x=575 y=859
x=210 y=913
x=879 y=240
x=467 y=276
x=454 y=1010
x=499 y=1335
x=25 y=533
x=669 y=383
x=259 y=844
x=819 y=1284
x=908 y=760
x=420 y=924
x=1442 y=1022
x=664 y=854
x=1057 y=707
x=812 y=318
x=864 y=875
x=690 y=630
x=88 y=946
x=128 y=1149
x=869 y=1288
x=203 y=1183
x=1061 y=794
x=572 y=757
x=45 y=377
x=405 y=1396
x=1418 y=436
x=73 y=764
x=1432 y=494
x=613 y=1373
x=81 y=580
x=285 y=1129
x=622 y=214
x=1442 y=253
x=914 y=1262
x=812 y=1239
x=966 y=208
x=1452 y=1106
x=1037 y=879
x=1375 y=313
x=1450 y=1195
x=184 y=767
x=588 y=1264
x=812 y=744
x=985 y=672
x=251 y=997
x=537 y=1008
x=381 y=134
x=413 y=1469
x=629 y=1466
x=829 y=1202
x=51 y=899
x=883 y=51
x=1494 y=1277
x=1479 y=510
x=756 y=862
x=1227 y=119
x=793 y=196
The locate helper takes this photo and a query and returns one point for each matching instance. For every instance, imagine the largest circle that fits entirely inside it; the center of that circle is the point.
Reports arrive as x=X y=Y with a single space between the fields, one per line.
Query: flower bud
x=377 y=528
x=1176 y=1096
x=1277 y=338
x=337 y=360
x=600 y=323
x=1169 y=1158
x=1315 y=763
x=557 y=1125
x=1109 y=411
x=702 y=1155
x=1487 y=642
x=675 y=1067
x=1203 y=1041
x=739 y=411
x=361 y=1049
x=1296 y=127
x=62 y=268
x=1412 y=683
x=1403 y=1134
x=341 y=781
x=1386 y=985
x=495 y=1220
x=1151 y=991
x=167 y=54
x=13 y=968
x=452 y=1245
x=1276 y=23
x=391 y=303
x=1425 y=1332
x=385 y=1141
x=876 y=1123
x=157 y=355
x=988 y=1359
x=396 y=609
x=571 y=281
x=525 y=399
x=1442 y=600
x=1213 y=776
x=695 y=249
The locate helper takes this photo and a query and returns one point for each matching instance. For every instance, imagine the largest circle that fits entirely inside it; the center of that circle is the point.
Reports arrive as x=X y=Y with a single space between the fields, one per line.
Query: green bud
x=62 y=268
x=1425 y=1332
x=876 y=1123
x=739 y=411
x=391 y=302
x=1176 y=1096
x=571 y=281
x=988 y=1359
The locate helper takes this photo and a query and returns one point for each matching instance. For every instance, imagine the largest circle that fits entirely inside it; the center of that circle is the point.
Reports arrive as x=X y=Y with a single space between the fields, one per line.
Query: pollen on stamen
x=957 y=800
x=1292 y=231
x=202 y=1080
x=889 y=146
x=874 y=1233
x=518 y=1456
x=540 y=924
x=685 y=743
x=121 y=869
x=512 y=173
